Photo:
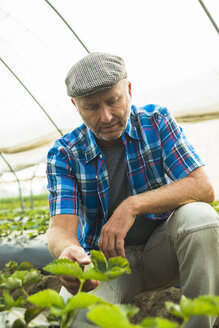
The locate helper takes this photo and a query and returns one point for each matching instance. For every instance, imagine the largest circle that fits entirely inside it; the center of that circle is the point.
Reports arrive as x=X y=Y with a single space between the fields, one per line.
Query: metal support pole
x=18 y=182
x=67 y=25
x=45 y=112
x=31 y=187
x=209 y=15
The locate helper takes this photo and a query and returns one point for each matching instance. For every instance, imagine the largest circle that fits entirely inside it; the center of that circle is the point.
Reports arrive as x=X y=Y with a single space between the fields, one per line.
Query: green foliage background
x=12 y=218
x=14 y=202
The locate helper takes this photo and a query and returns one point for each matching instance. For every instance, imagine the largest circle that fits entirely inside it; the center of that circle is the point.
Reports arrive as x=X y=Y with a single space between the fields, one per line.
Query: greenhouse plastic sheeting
x=169 y=62
x=23 y=249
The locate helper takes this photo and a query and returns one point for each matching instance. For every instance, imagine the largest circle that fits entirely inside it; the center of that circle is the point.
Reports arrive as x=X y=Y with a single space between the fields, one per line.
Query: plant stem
x=77 y=313
x=63 y=323
x=75 y=317
x=183 y=325
x=24 y=292
x=81 y=285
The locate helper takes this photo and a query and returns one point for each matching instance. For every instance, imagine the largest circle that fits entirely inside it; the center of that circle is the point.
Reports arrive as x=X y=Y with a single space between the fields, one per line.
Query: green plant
x=33 y=222
x=215 y=205
x=100 y=312
x=49 y=299
x=203 y=305
x=39 y=201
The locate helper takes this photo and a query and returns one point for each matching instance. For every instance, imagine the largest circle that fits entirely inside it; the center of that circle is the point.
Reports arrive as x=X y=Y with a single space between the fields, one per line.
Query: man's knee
x=193 y=217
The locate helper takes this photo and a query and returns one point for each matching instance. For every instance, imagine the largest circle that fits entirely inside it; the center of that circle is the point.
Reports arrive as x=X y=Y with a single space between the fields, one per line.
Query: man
x=129 y=183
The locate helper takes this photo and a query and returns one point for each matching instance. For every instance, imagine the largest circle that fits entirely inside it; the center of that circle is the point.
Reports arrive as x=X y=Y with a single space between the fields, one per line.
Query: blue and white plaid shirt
x=156 y=153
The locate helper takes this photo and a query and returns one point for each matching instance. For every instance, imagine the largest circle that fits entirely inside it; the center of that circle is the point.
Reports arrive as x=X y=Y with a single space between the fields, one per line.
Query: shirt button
x=101 y=156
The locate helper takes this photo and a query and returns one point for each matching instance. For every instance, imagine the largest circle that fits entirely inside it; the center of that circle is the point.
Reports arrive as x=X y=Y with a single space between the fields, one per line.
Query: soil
x=150 y=303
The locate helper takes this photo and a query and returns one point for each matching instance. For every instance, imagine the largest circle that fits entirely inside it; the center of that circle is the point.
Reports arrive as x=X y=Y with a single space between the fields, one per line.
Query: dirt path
x=153 y=304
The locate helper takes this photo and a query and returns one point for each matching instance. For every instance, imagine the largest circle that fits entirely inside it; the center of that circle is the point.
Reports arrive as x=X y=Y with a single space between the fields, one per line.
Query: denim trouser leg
x=184 y=248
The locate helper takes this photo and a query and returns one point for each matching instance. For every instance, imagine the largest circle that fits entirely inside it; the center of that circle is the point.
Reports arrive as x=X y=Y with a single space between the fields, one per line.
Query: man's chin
x=110 y=137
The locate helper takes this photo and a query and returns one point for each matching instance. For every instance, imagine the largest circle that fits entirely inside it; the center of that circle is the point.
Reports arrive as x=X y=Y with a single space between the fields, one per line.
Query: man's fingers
x=76 y=255
x=72 y=284
x=90 y=285
x=103 y=244
x=111 y=247
x=111 y=244
x=69 y=279
x=84 y=260
x=120 y=247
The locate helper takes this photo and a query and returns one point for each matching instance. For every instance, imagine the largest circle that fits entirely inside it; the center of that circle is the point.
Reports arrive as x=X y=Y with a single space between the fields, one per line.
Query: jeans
x=185 y=249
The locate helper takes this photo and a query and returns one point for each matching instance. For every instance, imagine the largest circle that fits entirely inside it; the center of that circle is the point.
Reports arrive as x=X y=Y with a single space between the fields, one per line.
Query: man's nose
x=105 y=114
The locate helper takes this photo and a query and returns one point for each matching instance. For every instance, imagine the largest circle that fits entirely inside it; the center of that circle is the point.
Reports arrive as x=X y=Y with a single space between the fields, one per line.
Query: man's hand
x=113 y=233
x=194 y=187
x=77 y=254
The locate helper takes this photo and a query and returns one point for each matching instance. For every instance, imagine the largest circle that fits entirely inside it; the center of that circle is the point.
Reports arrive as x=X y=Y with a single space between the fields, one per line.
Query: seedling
x=60 y=311
x=100 y=312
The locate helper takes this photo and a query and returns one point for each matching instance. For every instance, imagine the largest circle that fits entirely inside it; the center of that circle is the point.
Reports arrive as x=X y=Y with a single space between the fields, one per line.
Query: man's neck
x=109 y=144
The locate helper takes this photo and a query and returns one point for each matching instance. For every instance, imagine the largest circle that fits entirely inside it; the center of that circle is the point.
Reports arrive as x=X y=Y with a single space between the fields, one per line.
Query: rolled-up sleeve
x=62 y=185
x=179 y=156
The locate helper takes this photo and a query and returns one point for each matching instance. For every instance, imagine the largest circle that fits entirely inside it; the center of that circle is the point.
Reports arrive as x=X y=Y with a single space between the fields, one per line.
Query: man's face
x=106 y=112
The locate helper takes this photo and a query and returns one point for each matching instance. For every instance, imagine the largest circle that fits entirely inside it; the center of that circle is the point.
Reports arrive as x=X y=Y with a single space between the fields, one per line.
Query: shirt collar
x=91 y=147
x=132 y=124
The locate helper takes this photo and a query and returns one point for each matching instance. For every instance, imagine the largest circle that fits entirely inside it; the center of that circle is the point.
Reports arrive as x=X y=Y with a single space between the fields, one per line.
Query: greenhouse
x=171 y=52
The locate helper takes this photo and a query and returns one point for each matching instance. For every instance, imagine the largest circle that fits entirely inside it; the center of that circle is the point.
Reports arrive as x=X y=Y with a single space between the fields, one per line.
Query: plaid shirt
x=156 y=153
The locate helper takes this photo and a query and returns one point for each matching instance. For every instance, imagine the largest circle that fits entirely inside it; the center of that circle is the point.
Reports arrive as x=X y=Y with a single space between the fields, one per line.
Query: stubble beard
x=114 y=135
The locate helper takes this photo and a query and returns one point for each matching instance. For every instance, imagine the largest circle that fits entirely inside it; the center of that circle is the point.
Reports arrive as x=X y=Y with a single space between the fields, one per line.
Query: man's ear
x=73 y=102
x=130 y=88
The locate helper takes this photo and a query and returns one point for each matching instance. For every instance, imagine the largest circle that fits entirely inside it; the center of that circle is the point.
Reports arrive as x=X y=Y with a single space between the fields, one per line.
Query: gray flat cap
x=95 y=72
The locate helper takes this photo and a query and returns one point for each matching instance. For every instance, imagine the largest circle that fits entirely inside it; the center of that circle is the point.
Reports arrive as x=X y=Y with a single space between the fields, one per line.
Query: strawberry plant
x=100 y=312
x=59 y=311
x=34 y=222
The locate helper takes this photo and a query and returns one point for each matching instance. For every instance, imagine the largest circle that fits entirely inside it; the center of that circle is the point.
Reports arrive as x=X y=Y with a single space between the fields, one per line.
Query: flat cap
x=95 y=72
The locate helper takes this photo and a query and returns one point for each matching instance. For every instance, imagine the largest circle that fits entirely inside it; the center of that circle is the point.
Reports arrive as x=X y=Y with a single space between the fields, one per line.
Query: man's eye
x=112 y=102
x=92 y=108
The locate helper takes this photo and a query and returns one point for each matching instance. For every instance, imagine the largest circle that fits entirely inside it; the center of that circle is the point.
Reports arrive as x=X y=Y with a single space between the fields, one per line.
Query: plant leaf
x=11 y=265
x=99 y=261
x=108 y=316
x=158 y=323
x=20 y=301
x=56 y=311
x=47 y=298
x=65 y=267
x=114 y=268
x=118 y=262
x=18 y=323
x=30 y=314
x=174 y=309
x=20 y=274
x=8 y=299
x=25 y=266
x=11 y=283
x=202 y=305
x=31 y=277
x=92 y=273
x=82 y=300
x=129 y=310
